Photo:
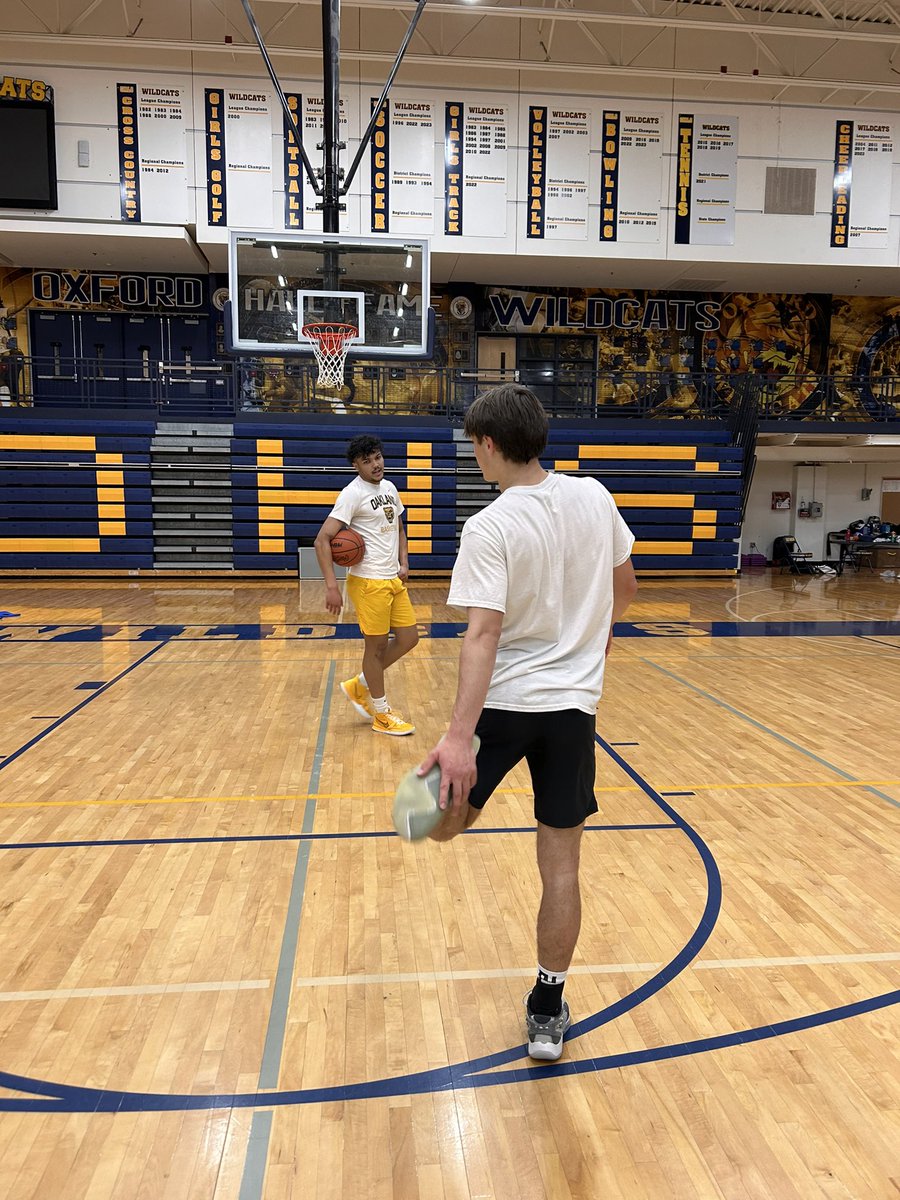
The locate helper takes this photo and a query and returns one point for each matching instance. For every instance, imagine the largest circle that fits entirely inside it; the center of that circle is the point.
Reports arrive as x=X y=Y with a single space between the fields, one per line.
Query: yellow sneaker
x=392 y=723
x=359 y=696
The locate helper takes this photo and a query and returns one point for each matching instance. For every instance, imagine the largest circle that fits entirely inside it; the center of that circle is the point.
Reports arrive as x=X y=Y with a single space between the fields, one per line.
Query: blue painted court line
x=4 y=615
x=619 y=744
x=771 y=732
x=440 y=1078
x=88 y=686
x=434 y=630
x=78 y=707
x=46 y=1096
x=302 y=837
x=63 y=1098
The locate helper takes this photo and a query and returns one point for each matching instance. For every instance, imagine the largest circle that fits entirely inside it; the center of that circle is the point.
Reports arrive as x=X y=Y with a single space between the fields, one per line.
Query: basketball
x=347 y=548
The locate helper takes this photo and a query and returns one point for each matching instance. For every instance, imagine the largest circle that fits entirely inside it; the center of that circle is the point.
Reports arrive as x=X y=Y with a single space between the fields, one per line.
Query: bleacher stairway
x=190 y=480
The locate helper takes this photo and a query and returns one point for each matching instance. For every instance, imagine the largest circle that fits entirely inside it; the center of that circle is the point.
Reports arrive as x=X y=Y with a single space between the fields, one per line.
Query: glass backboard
x=279 y=282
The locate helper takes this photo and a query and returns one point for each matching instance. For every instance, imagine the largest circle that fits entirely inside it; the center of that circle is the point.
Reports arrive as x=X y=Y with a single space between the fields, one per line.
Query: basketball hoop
x=330 y=343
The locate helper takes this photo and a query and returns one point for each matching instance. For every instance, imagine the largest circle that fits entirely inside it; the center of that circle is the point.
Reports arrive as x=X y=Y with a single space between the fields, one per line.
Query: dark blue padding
x=72 y=528
x=105 y=560
x=67 y=495
x=679 y=562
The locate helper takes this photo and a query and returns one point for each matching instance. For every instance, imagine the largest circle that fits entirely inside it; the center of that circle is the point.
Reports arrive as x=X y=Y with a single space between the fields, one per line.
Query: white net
x=330 y=342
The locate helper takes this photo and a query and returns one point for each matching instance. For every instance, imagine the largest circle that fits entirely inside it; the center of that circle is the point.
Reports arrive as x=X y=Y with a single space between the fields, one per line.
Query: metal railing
x=229 y=388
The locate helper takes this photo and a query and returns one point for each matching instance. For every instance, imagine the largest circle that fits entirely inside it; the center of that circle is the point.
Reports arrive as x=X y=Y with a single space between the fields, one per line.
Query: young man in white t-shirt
x=544 y=571
x=377 y=585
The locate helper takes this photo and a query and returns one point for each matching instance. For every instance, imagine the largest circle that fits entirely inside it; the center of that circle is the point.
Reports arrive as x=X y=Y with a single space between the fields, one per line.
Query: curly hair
x=362 y=446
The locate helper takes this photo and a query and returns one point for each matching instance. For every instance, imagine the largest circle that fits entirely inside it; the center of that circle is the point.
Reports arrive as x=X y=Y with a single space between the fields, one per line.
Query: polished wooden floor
x=222 y=976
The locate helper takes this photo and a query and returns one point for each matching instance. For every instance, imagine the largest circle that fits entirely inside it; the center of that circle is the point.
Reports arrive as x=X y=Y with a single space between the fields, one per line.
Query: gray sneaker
x=545 y=1034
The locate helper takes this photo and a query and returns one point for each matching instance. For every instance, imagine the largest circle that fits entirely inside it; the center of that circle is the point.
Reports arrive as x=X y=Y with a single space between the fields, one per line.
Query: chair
x=858 y=554
x=786 y=554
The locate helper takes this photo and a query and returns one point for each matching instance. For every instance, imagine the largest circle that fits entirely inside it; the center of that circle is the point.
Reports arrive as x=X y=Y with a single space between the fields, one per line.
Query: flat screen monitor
x=27 y=155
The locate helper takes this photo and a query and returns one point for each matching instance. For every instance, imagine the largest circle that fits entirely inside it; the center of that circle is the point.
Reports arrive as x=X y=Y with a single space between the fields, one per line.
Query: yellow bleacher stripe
x=419 y=464
x=419 y=449
x=271 y=546
x=108 y=458
x=419 y=484
x=112 y=528
x=111 y=495
x=566 y=464
x=114 y=511
x=704 y=531
x=50 y=545
x=708 y=516
x=269 y=446
x=300 y=497
x=111 y=478
x=273 y=512
x=706 y=466
x=270 y=460
x=414 y=513
x=652 y=500
x=420 y=547
x=29 y=441
x=411 y=501
x=418 y=531
x=663 y=547
x=271 y=529
x=270 y=481
x=667 y=452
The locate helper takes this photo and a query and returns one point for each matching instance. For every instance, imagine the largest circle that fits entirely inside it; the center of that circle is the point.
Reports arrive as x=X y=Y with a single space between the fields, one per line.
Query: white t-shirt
x=373 y=510
x=544 y=556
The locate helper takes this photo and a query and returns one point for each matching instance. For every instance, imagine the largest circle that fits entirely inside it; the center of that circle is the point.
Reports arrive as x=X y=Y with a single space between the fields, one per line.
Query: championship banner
x=293 y=165
x=639 y=174
x=567 y=170
x=537 y=170
x=379 y=168
x=158 y=128
x=403 y=183
x=706 y=187
x=871 y=171
x=843 y=175
x=129 y=157
x=313 y=133
x=216 y=182
x=248 y=154
x=476 y=169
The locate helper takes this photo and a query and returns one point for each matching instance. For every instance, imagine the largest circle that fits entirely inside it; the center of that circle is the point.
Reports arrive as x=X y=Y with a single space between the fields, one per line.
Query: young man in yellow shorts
x=377 y=585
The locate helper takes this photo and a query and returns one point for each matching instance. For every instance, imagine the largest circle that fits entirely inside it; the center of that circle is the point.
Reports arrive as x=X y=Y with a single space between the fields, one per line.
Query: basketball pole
x=332 y=187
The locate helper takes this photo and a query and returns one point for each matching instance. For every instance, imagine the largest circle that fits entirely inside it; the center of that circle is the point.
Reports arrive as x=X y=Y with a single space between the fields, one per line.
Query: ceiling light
x=274 y=250
x=282 y=282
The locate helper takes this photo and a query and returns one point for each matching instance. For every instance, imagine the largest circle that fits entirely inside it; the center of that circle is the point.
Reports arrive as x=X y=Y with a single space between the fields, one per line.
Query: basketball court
x=226 y=975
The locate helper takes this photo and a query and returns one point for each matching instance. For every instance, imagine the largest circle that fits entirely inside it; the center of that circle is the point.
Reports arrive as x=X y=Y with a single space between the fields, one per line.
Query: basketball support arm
x=331 y=189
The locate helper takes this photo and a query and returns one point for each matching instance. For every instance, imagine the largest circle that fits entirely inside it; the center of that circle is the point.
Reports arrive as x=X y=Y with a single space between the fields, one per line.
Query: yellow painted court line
x=302 y=796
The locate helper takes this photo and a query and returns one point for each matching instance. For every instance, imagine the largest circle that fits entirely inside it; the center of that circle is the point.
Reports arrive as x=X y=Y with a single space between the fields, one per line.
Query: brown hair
x=513 y=417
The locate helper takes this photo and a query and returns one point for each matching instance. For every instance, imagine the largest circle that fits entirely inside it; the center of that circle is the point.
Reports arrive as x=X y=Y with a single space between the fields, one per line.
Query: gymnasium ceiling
x=799 y=52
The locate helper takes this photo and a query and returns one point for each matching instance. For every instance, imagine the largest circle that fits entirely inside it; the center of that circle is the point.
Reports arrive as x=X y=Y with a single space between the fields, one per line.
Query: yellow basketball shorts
x=381 y=604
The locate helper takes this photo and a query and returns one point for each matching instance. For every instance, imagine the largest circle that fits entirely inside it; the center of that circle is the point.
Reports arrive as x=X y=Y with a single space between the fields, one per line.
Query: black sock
x=546 y=995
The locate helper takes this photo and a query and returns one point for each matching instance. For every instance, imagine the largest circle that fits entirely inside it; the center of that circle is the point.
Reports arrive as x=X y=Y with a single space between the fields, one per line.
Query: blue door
x=103 y=359
x=54 y=374
x=142 y=344
x=192 y=379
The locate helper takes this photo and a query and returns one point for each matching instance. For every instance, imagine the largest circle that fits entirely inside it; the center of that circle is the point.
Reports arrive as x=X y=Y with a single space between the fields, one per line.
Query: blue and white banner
x=216 y=173
x=640 y=173
x=706 y=188
x=293 y=165
x=129 y=153
x=248 y=144
x=403 y=143
x=476 y=176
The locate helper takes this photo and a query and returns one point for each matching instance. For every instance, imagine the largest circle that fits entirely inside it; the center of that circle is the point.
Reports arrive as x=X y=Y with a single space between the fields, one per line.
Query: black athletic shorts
x=560 y=751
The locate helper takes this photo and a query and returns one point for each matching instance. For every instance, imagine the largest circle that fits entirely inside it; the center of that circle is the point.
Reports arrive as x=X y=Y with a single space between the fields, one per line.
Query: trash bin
x=308 y=564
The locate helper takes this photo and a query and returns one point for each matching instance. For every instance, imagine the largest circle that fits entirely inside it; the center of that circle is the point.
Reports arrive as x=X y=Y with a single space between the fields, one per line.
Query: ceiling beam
x=493 y=65
x=849 y=30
